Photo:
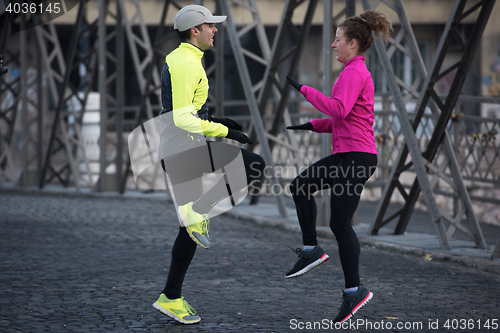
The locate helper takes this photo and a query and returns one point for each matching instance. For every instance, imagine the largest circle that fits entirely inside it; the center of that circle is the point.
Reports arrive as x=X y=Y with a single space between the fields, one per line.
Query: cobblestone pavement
x=96 y=264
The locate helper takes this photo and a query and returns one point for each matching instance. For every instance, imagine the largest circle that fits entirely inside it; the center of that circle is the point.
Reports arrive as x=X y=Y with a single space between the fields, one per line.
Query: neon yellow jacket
x=185 y=91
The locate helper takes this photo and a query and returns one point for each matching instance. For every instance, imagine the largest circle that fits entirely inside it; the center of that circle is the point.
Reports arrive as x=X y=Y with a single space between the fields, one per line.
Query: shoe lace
x=188 y=307
x=297 y=250
x=205 y=224
x=344 y=301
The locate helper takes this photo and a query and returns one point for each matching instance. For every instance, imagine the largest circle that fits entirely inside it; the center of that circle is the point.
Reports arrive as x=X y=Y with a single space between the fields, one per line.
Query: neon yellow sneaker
x=196 y=224
x=177 y=309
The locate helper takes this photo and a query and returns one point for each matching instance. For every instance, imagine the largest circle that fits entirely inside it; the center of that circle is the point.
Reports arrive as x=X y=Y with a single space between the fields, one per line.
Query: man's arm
x=185 y=81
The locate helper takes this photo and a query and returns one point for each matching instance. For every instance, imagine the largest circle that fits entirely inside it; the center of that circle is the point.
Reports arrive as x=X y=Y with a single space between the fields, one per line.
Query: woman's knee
x=341 y=219
x=339 y=229
x=293 y=186
x=300 y=187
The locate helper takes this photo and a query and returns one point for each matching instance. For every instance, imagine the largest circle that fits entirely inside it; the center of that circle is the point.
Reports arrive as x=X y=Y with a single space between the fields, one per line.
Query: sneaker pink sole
x=309 y=267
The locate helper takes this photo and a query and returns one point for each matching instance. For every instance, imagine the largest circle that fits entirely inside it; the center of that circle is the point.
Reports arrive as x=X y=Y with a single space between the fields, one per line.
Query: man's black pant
x=184 y=247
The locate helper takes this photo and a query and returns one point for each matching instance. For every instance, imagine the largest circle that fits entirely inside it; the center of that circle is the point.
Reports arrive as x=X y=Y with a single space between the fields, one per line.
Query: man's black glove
x=238 y=136
x=228 y=122
x=294 y=83
x=306 y=126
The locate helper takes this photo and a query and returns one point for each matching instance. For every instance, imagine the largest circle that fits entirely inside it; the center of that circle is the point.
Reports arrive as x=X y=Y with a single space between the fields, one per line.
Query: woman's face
x=343 y=50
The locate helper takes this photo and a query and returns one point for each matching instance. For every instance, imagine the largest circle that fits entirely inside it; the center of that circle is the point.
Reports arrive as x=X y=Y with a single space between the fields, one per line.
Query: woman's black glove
x=306 y=126
x=294 y=83
x=228 y=122
x=238 y=136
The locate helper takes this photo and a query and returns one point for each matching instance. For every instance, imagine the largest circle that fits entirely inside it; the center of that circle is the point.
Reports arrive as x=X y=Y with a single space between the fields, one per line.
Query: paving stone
x=85 y=263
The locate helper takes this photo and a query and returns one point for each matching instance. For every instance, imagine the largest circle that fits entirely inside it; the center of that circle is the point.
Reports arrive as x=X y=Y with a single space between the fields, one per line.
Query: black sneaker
x=352 y=302
x=307 y=261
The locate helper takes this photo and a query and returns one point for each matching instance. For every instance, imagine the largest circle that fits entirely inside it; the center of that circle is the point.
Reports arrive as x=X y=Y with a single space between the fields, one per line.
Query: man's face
x=204 y=37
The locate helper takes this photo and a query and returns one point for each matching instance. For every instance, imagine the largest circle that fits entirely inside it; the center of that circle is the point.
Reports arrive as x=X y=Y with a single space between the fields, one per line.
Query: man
x=186 y=156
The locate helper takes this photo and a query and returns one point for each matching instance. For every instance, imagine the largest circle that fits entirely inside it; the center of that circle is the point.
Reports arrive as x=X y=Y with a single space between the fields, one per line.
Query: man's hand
x=228 y=122
x=306 y=126
x=294 y=83
x=238 y=136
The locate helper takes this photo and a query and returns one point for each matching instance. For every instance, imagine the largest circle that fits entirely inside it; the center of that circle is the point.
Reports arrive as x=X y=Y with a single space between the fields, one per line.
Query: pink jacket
x=350 y=109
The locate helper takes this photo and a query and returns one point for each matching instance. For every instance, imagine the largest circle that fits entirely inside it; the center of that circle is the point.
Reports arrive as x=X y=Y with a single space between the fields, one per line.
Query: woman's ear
x=353 y=43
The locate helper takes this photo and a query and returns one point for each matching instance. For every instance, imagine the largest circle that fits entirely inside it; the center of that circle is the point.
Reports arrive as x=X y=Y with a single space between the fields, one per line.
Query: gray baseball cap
x=194 y=15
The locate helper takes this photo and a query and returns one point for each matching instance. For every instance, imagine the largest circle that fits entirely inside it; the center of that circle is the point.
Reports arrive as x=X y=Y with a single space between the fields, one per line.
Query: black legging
x=184 y=248
x=345 y=174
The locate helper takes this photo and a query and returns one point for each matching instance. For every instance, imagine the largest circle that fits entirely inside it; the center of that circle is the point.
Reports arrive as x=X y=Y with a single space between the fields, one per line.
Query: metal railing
x=476 y=141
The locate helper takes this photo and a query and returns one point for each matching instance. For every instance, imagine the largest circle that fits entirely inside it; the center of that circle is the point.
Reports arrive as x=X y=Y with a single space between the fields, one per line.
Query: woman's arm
x=345 y=92
x=323 y=125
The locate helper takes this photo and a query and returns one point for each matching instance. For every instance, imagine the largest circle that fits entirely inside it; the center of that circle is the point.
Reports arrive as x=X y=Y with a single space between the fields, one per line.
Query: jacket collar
x=195 y=49
x=356 y=58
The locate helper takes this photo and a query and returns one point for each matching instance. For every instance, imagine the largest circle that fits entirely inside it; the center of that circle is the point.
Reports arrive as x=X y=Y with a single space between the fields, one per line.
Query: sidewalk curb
x=492 y=266
x=141 y=195
x=467 y=261
x=325 y=232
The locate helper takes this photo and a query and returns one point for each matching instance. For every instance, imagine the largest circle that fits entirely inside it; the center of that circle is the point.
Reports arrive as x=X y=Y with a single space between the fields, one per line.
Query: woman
x=354 y=158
